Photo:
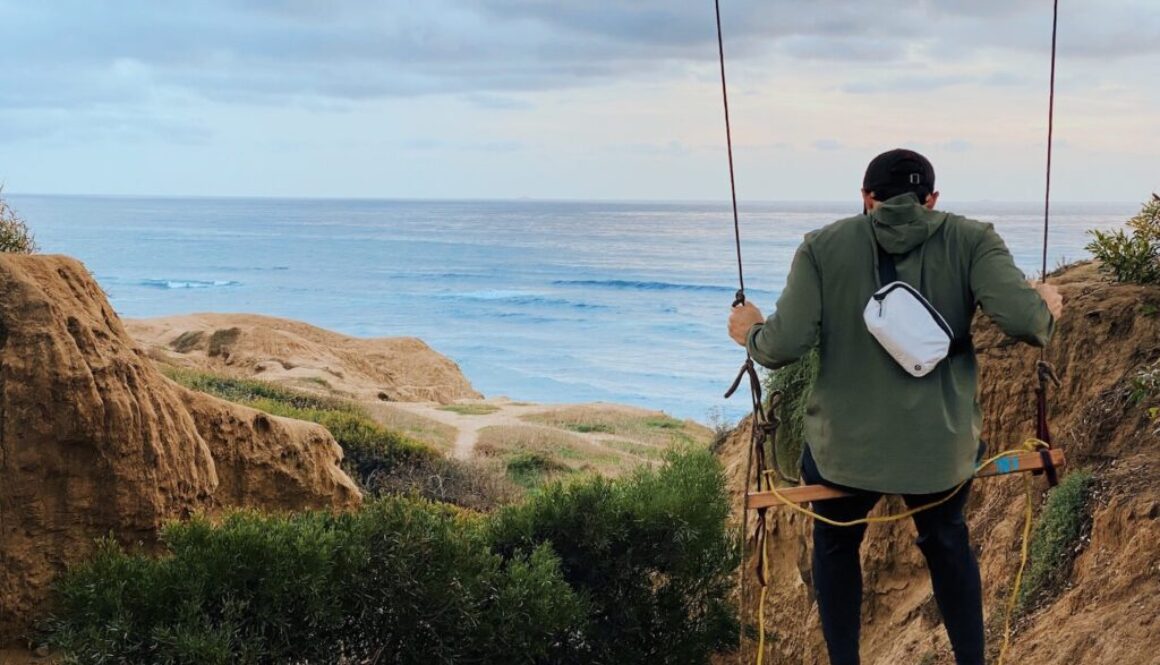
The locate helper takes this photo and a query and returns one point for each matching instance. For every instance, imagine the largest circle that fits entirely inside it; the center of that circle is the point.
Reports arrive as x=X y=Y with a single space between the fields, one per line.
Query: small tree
x=1132 y=258
x=14 y=234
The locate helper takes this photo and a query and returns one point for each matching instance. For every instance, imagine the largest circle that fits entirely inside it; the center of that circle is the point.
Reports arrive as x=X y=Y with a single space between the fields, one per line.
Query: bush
x=15 y=237
x=598 y=571
x=1053 y=541
x=404 y=578
x=1131 y=258
x=650 y=553
x=473 y=484
x=796 y=384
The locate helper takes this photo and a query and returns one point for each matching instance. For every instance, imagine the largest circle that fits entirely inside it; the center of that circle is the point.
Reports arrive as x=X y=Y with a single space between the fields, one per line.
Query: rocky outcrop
x=394 y=369
x=95 y=441
x=266 y=461
x=1108 y=611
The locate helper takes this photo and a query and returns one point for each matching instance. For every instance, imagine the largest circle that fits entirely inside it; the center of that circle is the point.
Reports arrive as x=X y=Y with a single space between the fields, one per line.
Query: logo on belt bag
x=905 y=323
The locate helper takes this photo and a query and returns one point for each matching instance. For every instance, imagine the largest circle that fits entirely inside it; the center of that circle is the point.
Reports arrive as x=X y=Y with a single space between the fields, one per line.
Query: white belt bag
x=905 y=323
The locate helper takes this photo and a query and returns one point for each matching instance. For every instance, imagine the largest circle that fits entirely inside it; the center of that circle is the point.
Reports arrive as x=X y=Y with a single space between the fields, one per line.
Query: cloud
x=135 y=57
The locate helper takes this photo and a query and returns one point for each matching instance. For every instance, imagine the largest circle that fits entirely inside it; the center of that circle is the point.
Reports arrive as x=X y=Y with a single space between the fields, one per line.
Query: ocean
x=536 y=300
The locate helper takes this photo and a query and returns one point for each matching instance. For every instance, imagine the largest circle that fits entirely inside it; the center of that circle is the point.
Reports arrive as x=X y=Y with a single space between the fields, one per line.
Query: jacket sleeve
x=1003 y=292
x=793 y=328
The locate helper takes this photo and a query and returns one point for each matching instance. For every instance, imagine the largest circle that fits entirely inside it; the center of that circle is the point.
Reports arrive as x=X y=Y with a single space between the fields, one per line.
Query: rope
x=1028 y=445
x=766 y=424
x=740 y=297
x=1050 y=135
x=1025 y=548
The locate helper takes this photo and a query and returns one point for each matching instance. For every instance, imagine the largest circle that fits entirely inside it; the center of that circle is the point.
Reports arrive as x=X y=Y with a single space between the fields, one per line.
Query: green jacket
x=868 y=423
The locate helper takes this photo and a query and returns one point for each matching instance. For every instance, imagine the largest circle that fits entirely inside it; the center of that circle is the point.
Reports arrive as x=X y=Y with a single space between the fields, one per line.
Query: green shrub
x=405 y=578
x=15 y=237
x=593 y=571
x=1131 y=258
x=1053 y=541
x=1145 y=385
x=650 y=553
x=530 y=468
x=796 y=384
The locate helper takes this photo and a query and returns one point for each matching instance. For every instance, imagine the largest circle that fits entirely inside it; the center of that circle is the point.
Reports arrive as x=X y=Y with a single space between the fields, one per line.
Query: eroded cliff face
x=1107 y=612
x=95 y=441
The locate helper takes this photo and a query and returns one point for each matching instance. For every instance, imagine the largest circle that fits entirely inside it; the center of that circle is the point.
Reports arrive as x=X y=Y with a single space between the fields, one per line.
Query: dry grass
x=428 y=431
x=642 y=450
x=651 y=428
x=534 y=454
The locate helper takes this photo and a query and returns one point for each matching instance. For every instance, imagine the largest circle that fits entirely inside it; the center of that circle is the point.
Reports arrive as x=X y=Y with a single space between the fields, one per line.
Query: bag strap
x=887 y=271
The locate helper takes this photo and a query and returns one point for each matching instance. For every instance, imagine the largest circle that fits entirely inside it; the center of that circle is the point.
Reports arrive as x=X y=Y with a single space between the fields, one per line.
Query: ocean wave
x=519 y=298
x=188 y=283
x=642 y=286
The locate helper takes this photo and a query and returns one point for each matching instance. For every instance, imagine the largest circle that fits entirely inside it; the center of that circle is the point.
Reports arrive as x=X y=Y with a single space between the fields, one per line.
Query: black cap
x=897 y=172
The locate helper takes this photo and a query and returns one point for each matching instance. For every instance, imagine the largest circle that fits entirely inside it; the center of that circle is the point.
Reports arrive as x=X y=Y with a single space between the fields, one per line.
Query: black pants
x=944 y=541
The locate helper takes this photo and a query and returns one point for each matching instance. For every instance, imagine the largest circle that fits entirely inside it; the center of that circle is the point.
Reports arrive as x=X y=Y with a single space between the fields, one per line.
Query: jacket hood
x=902 y=223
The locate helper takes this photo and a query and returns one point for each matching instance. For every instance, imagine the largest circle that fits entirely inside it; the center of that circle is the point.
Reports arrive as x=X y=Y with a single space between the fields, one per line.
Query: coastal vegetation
x=370 y=449
x=656 y=428
x=1066 y=514
x=15 y=236
x=793 y=384
x=587 y=570
x=1133 y=258
x=470 y=409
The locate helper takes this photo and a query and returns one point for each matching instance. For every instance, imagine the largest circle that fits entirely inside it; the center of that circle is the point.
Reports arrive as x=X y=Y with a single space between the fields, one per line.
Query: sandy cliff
x=399 y=369
x=1108 y=612
x=94 y=440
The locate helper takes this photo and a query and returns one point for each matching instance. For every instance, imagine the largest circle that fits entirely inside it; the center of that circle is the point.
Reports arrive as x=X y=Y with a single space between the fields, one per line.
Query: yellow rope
x=1023 y=552
x=1030 y=444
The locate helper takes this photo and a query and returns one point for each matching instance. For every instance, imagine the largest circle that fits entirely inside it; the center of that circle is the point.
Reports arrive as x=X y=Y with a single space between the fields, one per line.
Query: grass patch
x=590 y=428
x=420 y=428
x=663 y=422
x=534 y=455
x=470 y=409
x=638 y=449
x=245 y=391
x=1064 y=517
x=647 y=427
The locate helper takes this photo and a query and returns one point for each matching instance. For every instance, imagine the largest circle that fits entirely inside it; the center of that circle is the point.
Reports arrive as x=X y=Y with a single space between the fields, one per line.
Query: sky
x=573 y=99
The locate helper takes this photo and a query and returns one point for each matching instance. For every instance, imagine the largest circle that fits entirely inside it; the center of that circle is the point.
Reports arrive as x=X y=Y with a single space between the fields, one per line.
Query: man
x=872 y=428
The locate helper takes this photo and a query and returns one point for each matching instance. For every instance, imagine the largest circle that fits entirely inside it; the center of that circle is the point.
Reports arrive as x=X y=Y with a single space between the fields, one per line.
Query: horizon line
x=724 y=201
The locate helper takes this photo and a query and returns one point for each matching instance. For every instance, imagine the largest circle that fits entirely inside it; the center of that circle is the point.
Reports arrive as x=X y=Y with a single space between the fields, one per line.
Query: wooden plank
x=1021 y=463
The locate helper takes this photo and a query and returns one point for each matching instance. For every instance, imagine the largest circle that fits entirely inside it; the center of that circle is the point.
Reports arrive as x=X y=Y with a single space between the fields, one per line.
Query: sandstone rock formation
x=1108 y=612
x=398 y=369
x=94 y=440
